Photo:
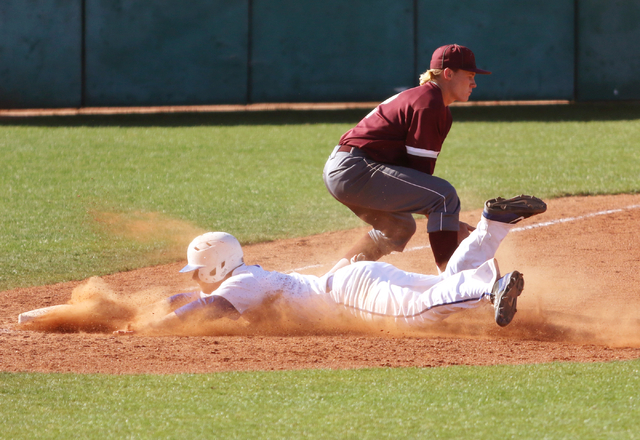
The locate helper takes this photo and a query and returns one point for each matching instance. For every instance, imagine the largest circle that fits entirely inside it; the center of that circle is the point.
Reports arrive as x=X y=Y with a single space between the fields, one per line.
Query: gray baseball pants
x=386 y=196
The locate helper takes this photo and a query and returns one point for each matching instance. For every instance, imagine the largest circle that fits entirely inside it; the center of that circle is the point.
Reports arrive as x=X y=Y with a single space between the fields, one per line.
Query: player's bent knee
x=402 y=232
x=394 y=241
x=450 y=201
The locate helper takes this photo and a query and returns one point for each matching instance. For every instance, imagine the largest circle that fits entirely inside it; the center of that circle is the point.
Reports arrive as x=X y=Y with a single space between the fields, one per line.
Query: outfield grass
x=550 y=401
x=258 y=176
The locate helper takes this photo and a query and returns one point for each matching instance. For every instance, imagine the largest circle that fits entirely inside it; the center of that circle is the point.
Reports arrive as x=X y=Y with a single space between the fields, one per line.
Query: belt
x=352 y=150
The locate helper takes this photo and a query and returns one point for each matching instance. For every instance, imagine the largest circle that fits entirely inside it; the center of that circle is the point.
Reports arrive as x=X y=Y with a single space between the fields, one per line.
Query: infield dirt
x=581 y=303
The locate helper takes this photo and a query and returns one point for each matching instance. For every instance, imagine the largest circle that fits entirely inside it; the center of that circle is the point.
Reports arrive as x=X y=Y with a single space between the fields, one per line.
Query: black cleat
x=505 y=295
x=514 y=209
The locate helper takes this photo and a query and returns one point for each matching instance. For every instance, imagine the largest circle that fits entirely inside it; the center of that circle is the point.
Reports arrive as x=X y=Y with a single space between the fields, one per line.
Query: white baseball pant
x=375 y=289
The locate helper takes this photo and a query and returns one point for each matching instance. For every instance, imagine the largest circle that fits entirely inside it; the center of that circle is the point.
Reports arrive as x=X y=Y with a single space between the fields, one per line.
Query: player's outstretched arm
x=162 y=325
x=208 y=308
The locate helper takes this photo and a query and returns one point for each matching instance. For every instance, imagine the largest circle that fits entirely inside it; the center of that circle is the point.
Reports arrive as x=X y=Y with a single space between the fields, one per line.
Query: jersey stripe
x=422 y=153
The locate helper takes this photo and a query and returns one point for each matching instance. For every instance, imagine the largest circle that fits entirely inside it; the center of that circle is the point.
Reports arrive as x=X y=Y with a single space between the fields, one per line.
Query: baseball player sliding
x=230 y=288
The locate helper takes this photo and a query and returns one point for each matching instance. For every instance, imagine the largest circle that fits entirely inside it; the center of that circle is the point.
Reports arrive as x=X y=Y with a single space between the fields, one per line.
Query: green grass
x=259 y=176
x=547 y=159
x=551 y=401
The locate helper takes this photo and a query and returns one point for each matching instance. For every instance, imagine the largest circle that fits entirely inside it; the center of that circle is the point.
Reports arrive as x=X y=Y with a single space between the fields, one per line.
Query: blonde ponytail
x=430 y=75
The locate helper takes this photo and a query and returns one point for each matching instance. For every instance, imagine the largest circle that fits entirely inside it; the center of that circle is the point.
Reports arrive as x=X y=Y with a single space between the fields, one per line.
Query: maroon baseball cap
x=454 y=56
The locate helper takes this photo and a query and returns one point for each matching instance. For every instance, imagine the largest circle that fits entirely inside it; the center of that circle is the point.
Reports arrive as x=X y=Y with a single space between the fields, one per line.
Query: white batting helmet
x=216 y=254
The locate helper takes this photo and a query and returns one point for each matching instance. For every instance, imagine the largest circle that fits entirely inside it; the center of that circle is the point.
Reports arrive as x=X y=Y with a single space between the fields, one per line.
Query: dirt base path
x=581 y=303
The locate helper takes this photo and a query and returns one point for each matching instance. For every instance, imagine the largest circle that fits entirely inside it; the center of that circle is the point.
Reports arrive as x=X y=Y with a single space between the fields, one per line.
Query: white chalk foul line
x=519 y=229
x=573 y=219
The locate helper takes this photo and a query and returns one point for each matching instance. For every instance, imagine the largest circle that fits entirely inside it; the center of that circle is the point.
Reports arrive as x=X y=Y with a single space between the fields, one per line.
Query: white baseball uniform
x=374 y=289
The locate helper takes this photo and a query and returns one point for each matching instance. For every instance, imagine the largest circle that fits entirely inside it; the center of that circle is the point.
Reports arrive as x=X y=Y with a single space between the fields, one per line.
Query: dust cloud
x=95 y=308
x=559 y=303
x=149 y=227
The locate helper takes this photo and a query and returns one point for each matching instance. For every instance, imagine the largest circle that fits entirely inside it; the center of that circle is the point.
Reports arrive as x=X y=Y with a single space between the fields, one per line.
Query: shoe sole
x=507 y=300
x=525 y=206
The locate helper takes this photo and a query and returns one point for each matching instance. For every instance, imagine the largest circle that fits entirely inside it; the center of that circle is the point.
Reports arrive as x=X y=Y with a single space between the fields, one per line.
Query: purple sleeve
x=209 y=307
x=181 y=299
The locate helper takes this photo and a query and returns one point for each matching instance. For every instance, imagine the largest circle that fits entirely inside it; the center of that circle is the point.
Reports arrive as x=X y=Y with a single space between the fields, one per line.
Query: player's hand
x=464 y=231
x=125 y=331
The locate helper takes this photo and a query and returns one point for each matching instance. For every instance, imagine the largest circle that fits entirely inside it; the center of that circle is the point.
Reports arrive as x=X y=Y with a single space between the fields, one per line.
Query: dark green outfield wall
x=40 y=57
x=73 y=53
x=166 y=52
x=608 y=50
x=527 y=44
x=333 y=50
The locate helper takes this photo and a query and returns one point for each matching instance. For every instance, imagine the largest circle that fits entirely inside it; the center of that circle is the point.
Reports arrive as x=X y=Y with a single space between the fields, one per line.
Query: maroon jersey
x=407 y=129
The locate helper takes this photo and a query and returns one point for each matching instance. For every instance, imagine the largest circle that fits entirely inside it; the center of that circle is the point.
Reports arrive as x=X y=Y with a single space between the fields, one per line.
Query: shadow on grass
x=605 y=111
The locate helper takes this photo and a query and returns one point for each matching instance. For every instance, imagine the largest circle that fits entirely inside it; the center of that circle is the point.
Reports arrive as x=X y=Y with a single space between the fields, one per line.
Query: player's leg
x=498 y=217
x=481 y=245
x=379 y=290
x=473 y=288
x=372 y=289
x=443 y=245
x=391 y=232
x=461 y=291
x=386 y=196
x=353 y=180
